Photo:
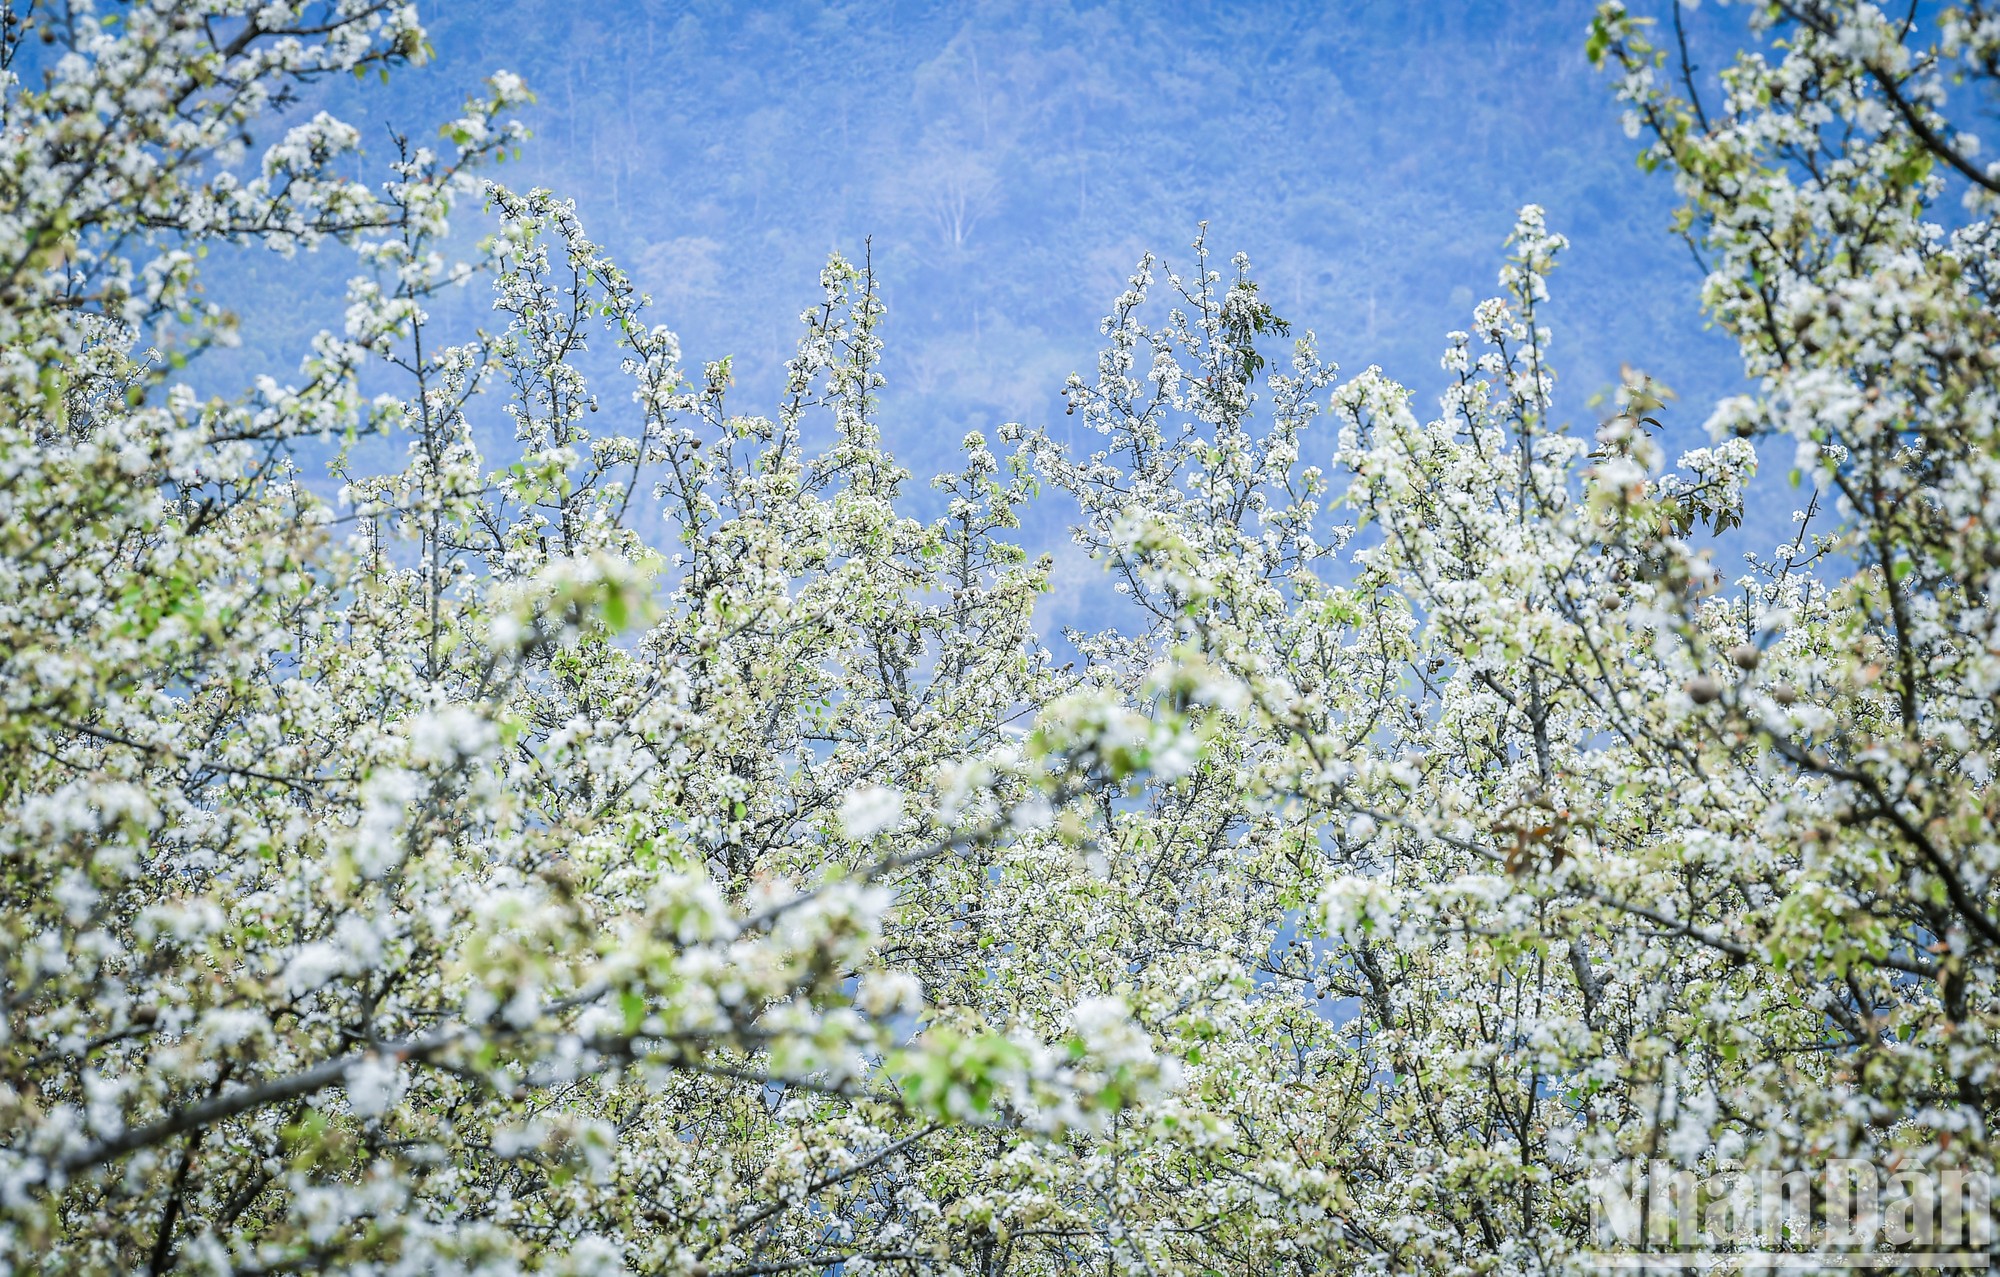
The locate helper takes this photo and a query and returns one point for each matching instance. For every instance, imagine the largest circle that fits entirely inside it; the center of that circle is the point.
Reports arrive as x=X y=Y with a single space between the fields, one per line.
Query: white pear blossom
x=870 y=810
x=649 y=844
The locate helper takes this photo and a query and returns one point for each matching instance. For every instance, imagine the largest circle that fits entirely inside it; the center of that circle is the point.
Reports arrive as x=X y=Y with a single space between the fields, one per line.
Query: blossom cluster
x=646 y=845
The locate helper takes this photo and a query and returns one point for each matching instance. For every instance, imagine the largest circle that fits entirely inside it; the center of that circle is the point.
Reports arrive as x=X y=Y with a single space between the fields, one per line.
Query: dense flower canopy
x=436 y=875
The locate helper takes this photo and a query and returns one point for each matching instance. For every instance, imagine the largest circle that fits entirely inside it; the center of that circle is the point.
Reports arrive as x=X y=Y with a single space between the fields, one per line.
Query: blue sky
x=1011 y=160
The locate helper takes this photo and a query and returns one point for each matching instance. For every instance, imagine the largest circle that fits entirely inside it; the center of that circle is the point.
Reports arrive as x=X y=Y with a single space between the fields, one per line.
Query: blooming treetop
x=441 y=877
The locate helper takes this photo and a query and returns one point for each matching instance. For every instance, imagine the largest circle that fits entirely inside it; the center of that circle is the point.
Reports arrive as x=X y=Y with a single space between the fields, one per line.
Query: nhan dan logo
x=1848 y=1215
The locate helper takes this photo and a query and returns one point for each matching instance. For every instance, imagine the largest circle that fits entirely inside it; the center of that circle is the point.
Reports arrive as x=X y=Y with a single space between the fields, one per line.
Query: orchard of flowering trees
x=423 y=871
